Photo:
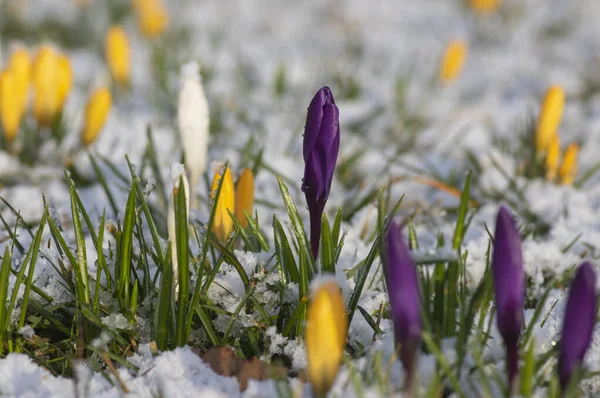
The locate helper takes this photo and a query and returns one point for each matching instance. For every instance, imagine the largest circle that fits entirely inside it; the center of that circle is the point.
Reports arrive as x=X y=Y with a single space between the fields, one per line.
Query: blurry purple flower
x=405 y=302
x=578 y=322
x=509 y=285
x=321 y=145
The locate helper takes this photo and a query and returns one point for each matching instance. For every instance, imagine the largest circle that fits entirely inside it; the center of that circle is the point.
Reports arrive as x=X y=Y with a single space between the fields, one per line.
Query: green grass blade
x=327 y=247
x=125 y=247
x=181 y=232
x=80 y=266
x=4 y=314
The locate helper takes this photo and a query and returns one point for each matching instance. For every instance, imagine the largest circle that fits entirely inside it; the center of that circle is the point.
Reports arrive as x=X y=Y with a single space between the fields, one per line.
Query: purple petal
x=314 y=118
x=578 y=322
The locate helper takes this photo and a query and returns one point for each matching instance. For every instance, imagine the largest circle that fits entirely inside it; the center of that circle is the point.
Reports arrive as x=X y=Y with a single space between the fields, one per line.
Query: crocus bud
x=485 y=6
x=20 y=64
x=405 y=301
x=11 y=111
x=321 y=145
x=244 y=197
x=550 y=117
x=568 y=168
x=193 y=119
x=509 y=286
x=65 y=80
x=325 y=336
x=453 y=60
x=223 y=224
x=96 y=113
x=153 y=17
x=118 y=54
x=553 y=159
x=45 y=74
x=578 y=322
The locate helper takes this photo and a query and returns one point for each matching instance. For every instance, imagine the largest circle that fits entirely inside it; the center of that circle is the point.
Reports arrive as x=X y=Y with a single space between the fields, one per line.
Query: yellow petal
x=223 y=224
x=96 y=113
x=553 y=159
x=453 y=60
x=550 y=117
x=152 y=16
x=325 y=336
x=485 y=6
x=20 y=65
x=568 y=168
x=11 y=111
x=65 y=80
x=45 y=74
x=244 y=197
x=118 y=54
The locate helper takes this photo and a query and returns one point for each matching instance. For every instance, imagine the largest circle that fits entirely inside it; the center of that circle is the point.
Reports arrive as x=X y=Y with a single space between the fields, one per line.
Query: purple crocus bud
x=509 y=285
x=405 y=301
x=578 y=322
x=321 y=145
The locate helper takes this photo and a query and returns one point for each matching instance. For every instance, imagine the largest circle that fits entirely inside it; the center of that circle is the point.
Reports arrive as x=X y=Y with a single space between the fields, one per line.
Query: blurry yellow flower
x=45 y=75
x=568 y=168
x=244 y=197
x=96 y=113
x=11 y=111
x=223 y=224
x=453 y=60
x=550 y=117
x=20 y=65
x=325 y=336
x=153 y=17
x=553 y=159
x=65 y=79
x=485 y=6
x=118 y=54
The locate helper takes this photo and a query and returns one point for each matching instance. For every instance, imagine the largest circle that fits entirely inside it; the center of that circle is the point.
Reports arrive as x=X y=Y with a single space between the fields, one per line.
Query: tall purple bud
x=578 y=322
x=405 y=301
x=321 y=145
x=509 y=285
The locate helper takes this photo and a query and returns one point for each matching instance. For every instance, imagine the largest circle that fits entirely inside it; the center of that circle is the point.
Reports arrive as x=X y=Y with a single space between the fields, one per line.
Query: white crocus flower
x=193 y=118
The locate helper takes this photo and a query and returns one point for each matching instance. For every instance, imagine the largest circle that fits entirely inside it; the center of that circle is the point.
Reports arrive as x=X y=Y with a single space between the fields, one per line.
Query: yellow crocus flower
x=153 y=17
x=11 y=111
x=453 y=60
x=244 y=197
x=325 y=336
x=118 y=54
x=568 y=168
x=223 y=224
x=96 y=113
x=485 y=6
x=45 y=75
x=550 y=117
x=65 y=79
x=553 y=159
x=20 y=65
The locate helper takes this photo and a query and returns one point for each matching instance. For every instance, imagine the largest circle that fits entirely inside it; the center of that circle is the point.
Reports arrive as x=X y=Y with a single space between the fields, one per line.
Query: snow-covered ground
x=513 y=57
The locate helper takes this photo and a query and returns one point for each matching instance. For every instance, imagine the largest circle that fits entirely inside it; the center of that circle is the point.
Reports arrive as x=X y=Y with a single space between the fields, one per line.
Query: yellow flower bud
x=325 y=336
x=45 y=74
x=11 y=111
x=453 y=60
x=550 y=117
x=65 y=80
x=20 y=65
x=568 y=168
x=223 y=224
x=118 y=54
x=244 y=197
x=485 y=6
x=153 y=17
x=96 y=113
x=553 y=159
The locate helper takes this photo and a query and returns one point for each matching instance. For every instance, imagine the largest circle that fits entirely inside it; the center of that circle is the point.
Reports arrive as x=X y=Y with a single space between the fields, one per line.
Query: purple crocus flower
x=405 y=301
x=321 y=145
x=509 y=285
x=578 y=322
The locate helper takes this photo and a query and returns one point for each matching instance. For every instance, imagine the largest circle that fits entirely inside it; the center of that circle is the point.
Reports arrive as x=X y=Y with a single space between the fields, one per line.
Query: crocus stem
x=315 y=232
x=512 y=365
